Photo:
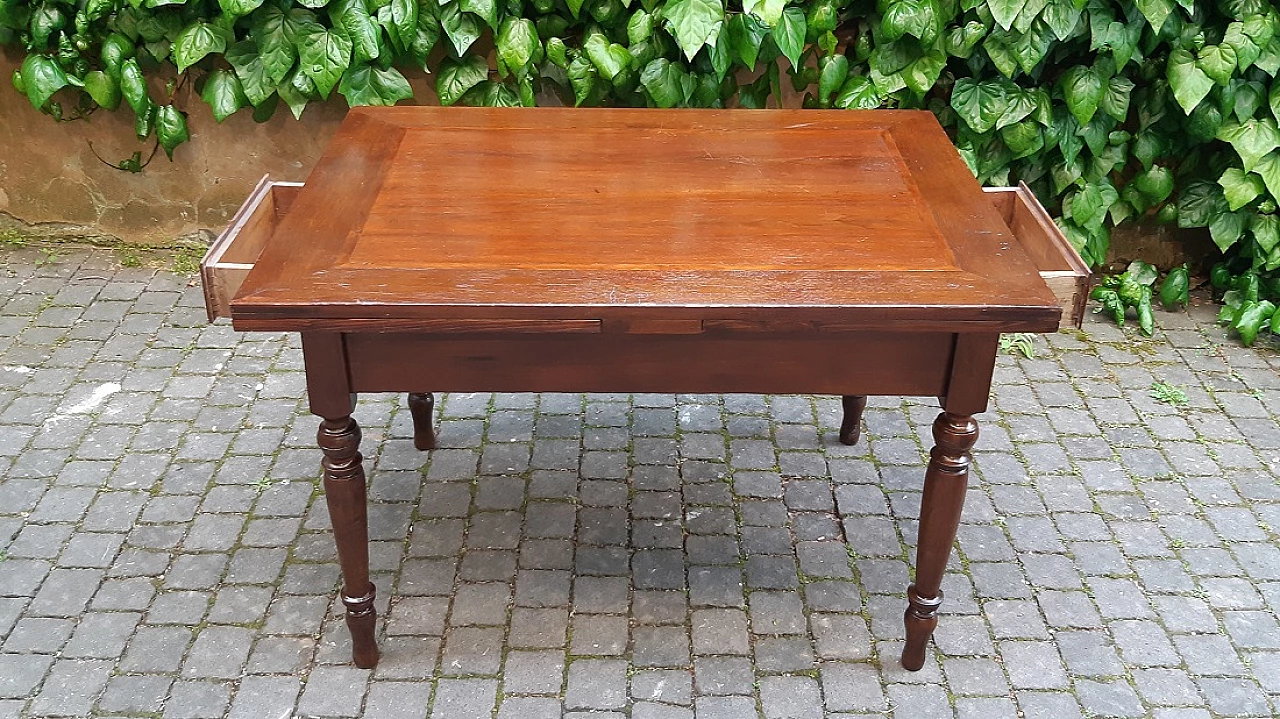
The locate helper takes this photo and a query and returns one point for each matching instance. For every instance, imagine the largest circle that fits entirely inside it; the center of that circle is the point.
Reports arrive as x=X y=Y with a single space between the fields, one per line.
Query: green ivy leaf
x=1260 y=28
x=789 y=34
x=404 y=18
x=133 y=86
x=1005 y=11
x=42 y=77
x=46 y=19
x=1155 y=184
x=424 y=38
x=104 y=89
x=223 y=93
x=1247 y=98
x=667 y=83
x=461 y=28
x=486 y=10
x=769 y=11
x=917 y=18
x=246 y=60
x=518 y=44
x=1115 y=101
x=960 y=41
x=353 y=17
x=832 y=72
x=1000 y=51
x=1062 y=17
x=1240 y=187
x=1269 y=169
x=1087 y=209
x=372 y=85
x=323 y=56
x=746 y=33
x=640 y=27
x=239 y=8
x=1226 y=228
x=296 y=90
x=1266 y=231
x=721 y=56
x=1031 y=47
x=857 y=93
x=1199 y=202
x=583 y=77
x=268 y=32
x=921 y=75
x=1023 y=138
x=171 y=128
x=1082 y=89
x=1189 y=82
x=1204 y=122
x=1156 y=12
x=557 y=53
x=610 y=59
x=1028 y=15
x=491 y=94
x=980 y=104
x=694 y=23
x=1021 y=103
x=1218 y=62
x=196 y=41
x=1246 y=50
x=456 y=77
x=1251 y=139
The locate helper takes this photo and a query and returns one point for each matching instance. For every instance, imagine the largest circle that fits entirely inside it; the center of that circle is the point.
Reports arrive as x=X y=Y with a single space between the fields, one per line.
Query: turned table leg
x=344 y=489
x=851 y=424
x=945 y=483
x=422 y=407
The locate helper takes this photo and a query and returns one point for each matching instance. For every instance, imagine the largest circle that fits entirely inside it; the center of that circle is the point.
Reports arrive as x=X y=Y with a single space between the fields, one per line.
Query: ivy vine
x=1112 y=110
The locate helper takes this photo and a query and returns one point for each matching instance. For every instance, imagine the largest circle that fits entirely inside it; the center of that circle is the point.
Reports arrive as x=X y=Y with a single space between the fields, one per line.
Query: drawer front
x=1060 y=265
x=232 y=255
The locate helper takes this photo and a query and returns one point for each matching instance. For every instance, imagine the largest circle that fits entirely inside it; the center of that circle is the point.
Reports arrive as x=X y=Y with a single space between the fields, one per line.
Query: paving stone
x=20 y=674
x=596 y=684
x=791 y=698
x=334 y=691
x=72 y=687
x=140 y=694
x=719 y=676
x=533 y=672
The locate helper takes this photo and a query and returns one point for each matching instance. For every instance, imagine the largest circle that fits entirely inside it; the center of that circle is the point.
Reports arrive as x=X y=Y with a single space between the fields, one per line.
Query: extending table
x=621 y=250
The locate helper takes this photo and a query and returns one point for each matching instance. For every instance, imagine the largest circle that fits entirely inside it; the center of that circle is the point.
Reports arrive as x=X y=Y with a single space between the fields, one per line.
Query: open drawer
x=1060 y=265
x=232 y=255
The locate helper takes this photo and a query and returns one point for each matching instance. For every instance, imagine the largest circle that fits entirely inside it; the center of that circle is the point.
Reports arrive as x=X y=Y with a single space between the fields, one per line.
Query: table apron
x=865 y=363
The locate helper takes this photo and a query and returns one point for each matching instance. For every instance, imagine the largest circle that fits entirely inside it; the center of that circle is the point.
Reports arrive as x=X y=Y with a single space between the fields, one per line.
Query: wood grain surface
x=641 y=216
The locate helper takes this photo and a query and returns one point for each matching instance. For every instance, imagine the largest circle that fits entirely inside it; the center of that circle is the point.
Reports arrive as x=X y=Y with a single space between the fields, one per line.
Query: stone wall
x=53 y=184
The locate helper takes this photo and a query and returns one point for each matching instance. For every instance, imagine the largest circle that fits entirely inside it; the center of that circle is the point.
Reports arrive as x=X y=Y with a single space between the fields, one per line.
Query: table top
x=867 y=218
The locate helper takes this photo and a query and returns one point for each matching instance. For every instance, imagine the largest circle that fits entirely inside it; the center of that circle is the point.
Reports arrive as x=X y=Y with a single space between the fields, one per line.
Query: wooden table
x=447 y=249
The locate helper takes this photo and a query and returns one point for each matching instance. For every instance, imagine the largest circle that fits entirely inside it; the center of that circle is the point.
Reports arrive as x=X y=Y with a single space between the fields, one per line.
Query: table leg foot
x=361 y=620
x=945 y=483
x=422 y=407
x=344 y=489
x=851 y=424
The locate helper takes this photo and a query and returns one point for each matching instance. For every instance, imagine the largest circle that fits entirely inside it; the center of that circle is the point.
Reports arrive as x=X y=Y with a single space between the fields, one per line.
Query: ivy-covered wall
x=1113 y=110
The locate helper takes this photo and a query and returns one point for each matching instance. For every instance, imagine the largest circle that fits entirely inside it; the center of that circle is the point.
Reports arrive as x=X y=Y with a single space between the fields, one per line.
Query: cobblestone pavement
x=164 y=553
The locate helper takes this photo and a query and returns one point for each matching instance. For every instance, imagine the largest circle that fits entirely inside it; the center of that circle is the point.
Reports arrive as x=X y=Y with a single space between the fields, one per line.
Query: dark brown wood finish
x=851 y=422
x=843 y=253
x=422 y=407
